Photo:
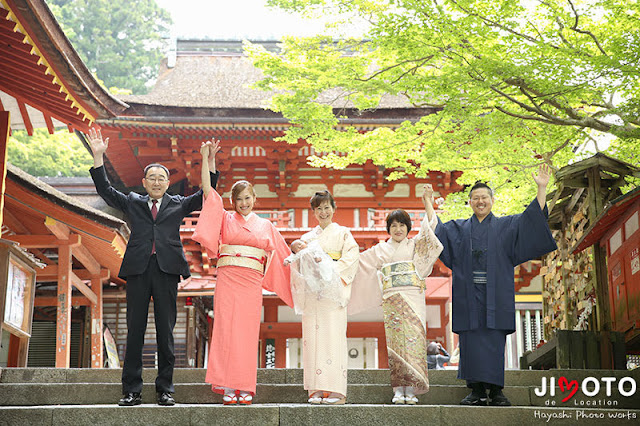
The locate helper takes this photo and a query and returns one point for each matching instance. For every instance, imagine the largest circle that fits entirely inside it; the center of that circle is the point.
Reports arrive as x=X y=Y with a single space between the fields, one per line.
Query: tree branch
x=389 y=68
x=495 y=24
x=589 y=33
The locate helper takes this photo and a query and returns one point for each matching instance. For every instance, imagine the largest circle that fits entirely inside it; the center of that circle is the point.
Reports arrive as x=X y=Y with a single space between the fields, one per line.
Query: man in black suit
x=152 y=266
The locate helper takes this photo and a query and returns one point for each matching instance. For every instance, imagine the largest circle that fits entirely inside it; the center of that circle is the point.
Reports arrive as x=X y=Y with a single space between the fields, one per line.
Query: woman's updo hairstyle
x=320 y=197
x=238 y=187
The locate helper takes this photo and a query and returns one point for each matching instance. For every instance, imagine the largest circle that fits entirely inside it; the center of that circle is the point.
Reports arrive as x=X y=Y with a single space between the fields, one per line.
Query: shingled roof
x=222 y=79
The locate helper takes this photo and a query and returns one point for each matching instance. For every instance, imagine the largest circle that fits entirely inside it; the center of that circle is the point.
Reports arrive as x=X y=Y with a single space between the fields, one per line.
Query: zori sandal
x=245 y=398
x=229 y=399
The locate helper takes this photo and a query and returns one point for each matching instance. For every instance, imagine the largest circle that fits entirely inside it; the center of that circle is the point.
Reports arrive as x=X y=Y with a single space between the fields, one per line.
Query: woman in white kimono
x=394 y=272
x=322 y=298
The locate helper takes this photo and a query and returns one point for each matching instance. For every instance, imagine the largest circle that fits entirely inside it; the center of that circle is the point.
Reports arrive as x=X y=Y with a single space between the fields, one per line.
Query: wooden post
x=600 y=269
x=281 y=352
x=63 y=317
x=383 y=355
x=97 y=348
x=564 y=250
x=4 y=140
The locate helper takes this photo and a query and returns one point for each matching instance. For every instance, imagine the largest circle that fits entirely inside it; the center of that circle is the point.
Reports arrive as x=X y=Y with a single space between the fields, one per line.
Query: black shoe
x=498 y=399
x=130 y=399
x=475 y=398
x=165 y=398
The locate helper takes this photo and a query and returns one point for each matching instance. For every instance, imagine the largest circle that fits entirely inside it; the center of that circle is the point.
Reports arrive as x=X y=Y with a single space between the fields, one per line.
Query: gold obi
x=244 y=256
x=335 y=255
x=400 y=274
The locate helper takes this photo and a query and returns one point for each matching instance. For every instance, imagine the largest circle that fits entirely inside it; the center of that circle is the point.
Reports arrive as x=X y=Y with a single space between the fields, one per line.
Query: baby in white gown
x=313 y=271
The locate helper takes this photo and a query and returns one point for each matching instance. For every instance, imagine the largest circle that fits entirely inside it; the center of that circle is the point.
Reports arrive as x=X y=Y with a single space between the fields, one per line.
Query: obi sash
x=335 y=255
x=244 y=256
x=400 y=274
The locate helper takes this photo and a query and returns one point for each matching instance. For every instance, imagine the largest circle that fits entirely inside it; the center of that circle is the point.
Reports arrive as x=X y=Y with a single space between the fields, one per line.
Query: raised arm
x=98 y=146
x=208 y=150
x=542 y=179
x=427 y=201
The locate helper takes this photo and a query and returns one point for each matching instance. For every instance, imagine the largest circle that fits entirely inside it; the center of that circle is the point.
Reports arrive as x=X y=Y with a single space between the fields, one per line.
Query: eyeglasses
x=159 y=180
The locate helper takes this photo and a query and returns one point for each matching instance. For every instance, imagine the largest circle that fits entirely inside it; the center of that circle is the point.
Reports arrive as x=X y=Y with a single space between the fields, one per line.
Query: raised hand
x=214 y=147
x=98 y=145
x=204 y=149
x=542 y=178
x=427 y=195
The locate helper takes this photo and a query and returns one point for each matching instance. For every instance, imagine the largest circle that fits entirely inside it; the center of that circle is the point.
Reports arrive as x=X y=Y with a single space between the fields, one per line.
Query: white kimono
x=324 y=320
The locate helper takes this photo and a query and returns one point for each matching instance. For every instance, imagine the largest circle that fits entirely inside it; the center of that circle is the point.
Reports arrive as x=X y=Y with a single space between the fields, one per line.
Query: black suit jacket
x=165 y=229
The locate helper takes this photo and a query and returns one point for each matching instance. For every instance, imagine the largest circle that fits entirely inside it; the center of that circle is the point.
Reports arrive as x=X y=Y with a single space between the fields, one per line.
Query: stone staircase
x=47 y=396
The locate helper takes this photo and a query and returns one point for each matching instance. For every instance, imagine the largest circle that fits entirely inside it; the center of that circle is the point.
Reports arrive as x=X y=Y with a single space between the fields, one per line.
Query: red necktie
x=154 y=213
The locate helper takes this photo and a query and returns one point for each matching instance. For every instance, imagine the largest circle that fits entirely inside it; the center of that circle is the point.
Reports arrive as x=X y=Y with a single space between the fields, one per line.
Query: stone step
x=298 y=414
x=294 y=376
x=85 y=393
x=21 y=394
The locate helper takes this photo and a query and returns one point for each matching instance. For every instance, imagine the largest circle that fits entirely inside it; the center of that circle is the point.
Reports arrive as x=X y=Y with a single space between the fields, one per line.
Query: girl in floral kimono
x=394 y=272
x=250 y=254
x=322 y=300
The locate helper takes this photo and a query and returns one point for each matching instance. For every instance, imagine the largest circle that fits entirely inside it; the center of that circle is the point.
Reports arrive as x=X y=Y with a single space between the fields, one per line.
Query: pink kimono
x=238 y=294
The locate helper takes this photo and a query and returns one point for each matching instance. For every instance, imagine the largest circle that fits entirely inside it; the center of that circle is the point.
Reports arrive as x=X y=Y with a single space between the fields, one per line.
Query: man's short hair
x=479 y=185
x=146 y=169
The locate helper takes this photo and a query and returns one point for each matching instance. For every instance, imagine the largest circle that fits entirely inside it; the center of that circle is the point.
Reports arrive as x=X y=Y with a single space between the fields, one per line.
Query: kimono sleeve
x=533 y=236
x=207 y=231
x=277 y=277
x=365 y=288
x=427 y=249
x=348 y=263
x=444 y=234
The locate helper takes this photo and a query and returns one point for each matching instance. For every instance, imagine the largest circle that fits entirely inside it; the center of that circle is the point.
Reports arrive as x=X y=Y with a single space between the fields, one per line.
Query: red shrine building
x=203 y=92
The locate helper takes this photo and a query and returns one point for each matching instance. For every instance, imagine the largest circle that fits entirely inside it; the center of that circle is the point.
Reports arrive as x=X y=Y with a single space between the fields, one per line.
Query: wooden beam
x=63 y=314
x=25 y=117
x=58 y=229
x=83 y=288
x=49 y=122
x=50 y=272
x=86 y=258
x=5 y=127
x=44 y=241
x=53 y=301
x=12 y=222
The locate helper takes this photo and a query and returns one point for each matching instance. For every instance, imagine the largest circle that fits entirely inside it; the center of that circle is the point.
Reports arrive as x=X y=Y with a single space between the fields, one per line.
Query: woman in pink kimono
x=250 y=254
x=394 y=272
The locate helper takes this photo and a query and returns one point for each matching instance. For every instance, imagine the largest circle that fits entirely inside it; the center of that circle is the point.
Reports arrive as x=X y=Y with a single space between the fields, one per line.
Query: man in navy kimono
x=482 y=252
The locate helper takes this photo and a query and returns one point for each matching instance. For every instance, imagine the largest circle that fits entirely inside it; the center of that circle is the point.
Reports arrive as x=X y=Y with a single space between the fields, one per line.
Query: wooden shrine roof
x=33 y=209
x=609 y=216
x=223 y=80
x=573 y=182
x=43 y=81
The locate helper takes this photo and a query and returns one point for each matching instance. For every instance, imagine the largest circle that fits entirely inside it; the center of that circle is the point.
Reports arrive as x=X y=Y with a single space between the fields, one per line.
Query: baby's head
x=297 y=245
